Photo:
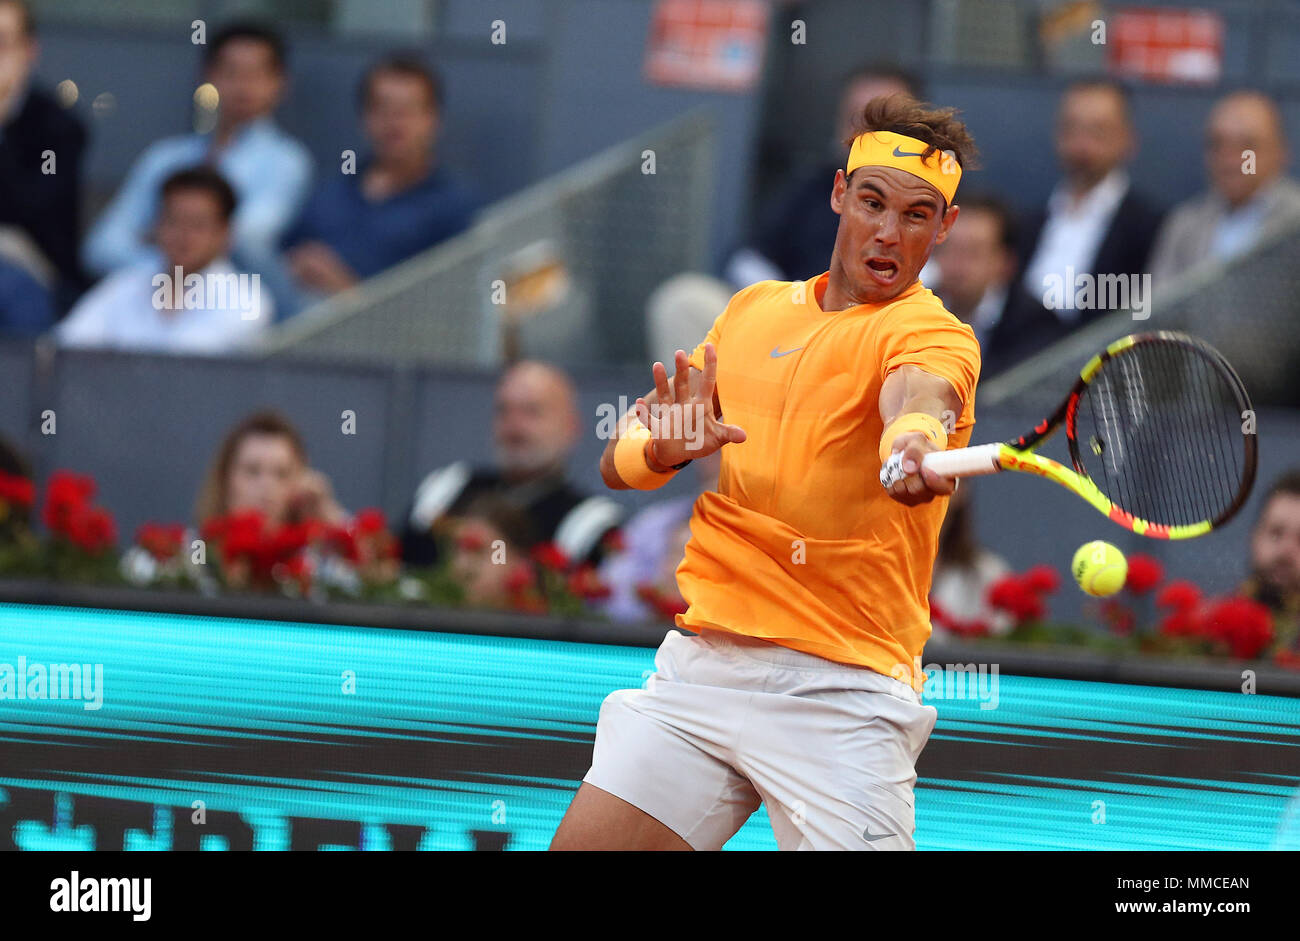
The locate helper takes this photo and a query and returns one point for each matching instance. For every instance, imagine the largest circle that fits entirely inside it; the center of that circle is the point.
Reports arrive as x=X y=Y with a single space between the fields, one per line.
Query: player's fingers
x=733 y=434
x=937 y=482
x=710 y=375
x=682 y=376
x=644 y=414
x=661 y=383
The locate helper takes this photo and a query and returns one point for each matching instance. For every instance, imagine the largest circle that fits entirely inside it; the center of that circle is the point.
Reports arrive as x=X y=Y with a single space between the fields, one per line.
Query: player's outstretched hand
x=917 y=485
x=683 y=419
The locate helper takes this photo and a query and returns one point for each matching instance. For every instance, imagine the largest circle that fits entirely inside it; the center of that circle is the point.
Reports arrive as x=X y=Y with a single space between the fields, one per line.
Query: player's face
x=890 y=221
x=262 y=476
x=1275 y=544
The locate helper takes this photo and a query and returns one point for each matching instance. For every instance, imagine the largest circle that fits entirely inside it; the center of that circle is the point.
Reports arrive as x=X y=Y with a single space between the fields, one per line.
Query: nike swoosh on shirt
x=777 y=355
x=904 y=153
x=872 y=837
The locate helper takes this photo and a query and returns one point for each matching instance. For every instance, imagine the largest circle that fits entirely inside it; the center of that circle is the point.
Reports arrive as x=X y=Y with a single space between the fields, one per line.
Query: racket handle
x=965 y=462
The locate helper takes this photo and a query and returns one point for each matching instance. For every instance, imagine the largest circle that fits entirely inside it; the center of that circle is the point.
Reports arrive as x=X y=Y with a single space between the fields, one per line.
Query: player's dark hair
x=207 y=180
x=407 y=64
x=1008 y=225
x=886 y=71
x=938 y=128
x=249 y=31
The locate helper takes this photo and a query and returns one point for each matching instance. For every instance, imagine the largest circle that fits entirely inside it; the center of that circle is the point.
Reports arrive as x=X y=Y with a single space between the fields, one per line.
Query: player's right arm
x=684 y=416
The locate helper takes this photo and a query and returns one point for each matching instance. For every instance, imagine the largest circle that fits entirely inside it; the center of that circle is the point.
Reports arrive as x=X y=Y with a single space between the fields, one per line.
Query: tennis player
x=807 y=581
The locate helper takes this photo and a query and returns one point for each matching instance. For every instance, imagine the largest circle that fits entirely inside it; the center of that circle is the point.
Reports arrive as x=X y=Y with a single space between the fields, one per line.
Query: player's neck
x=838 y=294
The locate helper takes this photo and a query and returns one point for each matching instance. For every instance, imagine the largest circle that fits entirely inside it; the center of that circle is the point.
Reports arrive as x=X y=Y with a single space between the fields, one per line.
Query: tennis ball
x=1099 y=568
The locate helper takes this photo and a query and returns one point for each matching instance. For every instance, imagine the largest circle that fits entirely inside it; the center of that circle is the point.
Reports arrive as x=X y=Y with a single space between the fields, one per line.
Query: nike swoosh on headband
x=904 y=153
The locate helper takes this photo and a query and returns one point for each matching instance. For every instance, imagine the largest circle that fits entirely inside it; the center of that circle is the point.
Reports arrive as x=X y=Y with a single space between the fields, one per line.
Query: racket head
x=1163 y=427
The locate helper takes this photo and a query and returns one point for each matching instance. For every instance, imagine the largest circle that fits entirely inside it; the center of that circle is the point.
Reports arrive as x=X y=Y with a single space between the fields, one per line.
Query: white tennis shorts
x=728 y=721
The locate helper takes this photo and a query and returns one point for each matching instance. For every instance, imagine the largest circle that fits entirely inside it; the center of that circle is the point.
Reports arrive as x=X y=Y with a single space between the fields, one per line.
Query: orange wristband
x=928 y=425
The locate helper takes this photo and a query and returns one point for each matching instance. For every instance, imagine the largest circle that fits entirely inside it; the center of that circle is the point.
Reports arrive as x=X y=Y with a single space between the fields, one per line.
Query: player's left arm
x=911 y=389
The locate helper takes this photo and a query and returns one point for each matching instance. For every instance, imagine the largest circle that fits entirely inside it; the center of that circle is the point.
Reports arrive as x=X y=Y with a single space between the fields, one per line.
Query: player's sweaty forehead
x=897 y=185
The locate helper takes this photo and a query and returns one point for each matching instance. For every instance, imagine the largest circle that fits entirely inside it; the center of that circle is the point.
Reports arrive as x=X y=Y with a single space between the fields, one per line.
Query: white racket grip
x=965 y=462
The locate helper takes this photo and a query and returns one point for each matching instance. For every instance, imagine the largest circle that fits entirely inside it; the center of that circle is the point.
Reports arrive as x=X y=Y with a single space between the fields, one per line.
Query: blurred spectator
x=1094 y=223
x=963 y=571
x=262 y=465
x=1274 y=578
x=535 y=431
x=681 y=310
x=490 y=551
x=41 y=147
x=1249 y=197
x=654 y=543
x=396 y=203
x=976 y=265
x=26 y=308
x=194 y=301
x=268 y=169
x=794 y=235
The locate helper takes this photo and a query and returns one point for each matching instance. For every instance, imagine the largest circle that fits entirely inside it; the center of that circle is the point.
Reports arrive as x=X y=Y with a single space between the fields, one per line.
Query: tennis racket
x=1161 y=436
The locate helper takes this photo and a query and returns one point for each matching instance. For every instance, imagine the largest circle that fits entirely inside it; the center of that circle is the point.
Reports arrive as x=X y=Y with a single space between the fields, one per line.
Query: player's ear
x=838 y=190
x=949 y=218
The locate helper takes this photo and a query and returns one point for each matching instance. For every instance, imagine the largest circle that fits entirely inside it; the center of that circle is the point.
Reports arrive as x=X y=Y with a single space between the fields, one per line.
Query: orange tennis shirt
x=801 y=545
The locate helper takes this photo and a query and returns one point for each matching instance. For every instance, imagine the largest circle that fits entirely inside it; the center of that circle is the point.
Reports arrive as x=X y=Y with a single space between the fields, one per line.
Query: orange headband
x=887 y=149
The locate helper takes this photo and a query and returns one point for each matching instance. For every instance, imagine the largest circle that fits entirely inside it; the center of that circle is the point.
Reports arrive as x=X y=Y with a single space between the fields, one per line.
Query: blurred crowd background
x=447 y=234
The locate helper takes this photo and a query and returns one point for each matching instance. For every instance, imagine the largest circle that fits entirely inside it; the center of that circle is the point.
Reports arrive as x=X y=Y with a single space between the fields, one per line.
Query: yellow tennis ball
x=1099 y=568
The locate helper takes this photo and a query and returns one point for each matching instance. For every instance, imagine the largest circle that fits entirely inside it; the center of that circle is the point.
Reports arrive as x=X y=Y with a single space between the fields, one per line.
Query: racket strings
x=1159 y=431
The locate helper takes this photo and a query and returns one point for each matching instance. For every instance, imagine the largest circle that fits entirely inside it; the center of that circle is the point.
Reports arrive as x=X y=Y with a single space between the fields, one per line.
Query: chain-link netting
x=568 y=263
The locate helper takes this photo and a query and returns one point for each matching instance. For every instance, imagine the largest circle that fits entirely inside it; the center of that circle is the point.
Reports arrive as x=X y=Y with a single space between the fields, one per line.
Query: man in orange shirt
x=807 y=580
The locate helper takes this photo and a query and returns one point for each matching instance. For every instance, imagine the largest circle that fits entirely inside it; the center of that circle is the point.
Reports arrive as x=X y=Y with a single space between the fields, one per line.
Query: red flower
x=66 y=496
x=1179 y=595
x=613 y=541
x=161 y=541
x=550 y=556
x=1042 y=579
x=340 y=540
x=586 y=584
x=520 y=579
x=1013 y=594
x=1144 y=573
x=1287 y=658
x=472 y=537
x=16 y=490
x=955 y=625
x=1119 y=616
x=1245 y=626
x=665 y=606
x=369 y=521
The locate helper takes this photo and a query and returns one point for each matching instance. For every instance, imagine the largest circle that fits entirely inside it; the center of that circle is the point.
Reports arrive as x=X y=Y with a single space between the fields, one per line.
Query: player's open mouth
x=883 y=270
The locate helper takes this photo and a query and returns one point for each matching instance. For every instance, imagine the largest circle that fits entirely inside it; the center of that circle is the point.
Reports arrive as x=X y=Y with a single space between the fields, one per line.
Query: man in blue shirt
x=269 y=170
x=394 y=204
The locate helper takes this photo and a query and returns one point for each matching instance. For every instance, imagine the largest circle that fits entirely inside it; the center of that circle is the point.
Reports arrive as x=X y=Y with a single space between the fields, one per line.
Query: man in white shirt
x=976 y=269
x=269 y=170
x=1094 y=223
x=194 y=301
x=1250 y=196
